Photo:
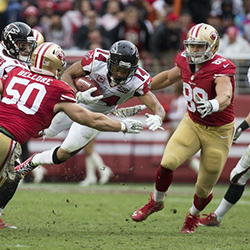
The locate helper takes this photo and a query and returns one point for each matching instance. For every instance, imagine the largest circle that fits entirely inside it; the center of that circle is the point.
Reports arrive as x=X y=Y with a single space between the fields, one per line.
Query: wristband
x=215 y=104
x=123 y=127
x=244 y=125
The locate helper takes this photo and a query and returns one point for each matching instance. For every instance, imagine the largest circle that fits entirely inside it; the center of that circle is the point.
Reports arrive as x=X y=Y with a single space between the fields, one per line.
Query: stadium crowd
x=156 y=27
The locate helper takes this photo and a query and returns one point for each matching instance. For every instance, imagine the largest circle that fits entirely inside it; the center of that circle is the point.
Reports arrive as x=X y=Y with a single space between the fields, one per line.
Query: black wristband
x=244 y=125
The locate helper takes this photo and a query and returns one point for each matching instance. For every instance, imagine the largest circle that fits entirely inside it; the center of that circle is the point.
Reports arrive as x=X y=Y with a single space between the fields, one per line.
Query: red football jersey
x=28 y=100
x=202 y=82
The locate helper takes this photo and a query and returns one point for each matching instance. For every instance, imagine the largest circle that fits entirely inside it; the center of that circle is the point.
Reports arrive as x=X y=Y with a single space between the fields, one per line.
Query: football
x=84 y=83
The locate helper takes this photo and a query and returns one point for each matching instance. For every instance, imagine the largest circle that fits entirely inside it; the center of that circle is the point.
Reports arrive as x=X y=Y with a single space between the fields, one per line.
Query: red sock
x=163 y=180
x=201 y=203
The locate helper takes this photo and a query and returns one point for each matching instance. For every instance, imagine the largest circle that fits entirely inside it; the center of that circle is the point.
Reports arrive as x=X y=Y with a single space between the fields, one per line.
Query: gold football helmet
x=38 y=36
x=48 y=59
x=198 y=35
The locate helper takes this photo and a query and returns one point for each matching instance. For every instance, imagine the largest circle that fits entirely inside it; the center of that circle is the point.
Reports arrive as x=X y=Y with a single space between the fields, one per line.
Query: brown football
x=84 y=83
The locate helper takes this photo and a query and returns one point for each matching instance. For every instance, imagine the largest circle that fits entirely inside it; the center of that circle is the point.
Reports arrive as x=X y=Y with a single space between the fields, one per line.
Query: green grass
x=66 y=217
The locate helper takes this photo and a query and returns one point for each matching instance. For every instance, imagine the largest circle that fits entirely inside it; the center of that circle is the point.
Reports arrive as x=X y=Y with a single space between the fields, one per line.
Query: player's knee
x=171 y=162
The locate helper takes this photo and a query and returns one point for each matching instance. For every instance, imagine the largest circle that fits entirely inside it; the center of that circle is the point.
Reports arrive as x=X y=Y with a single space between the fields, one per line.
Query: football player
x=208 y=126
x=239 y=176
x=120 y=77
x=32 y=99
x=17 y=44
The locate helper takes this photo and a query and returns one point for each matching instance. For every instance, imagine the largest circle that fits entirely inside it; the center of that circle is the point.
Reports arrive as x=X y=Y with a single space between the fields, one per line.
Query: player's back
x=29 y=100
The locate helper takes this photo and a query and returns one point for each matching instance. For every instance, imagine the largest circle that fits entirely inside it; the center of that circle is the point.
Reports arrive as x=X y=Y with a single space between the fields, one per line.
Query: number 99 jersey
x=202 y=82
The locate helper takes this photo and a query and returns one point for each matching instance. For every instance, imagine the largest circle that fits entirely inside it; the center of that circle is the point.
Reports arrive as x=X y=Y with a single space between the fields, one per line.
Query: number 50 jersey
x=28 y=101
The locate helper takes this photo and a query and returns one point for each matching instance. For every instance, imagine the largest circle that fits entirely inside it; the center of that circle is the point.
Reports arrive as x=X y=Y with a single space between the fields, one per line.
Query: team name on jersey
x=35 y=77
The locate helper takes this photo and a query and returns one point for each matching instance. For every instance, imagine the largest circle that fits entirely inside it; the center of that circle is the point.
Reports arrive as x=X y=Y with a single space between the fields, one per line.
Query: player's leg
x=238 y=177
x=182 y=145
x=10 y=151
x=91 y=177
x=59 y=123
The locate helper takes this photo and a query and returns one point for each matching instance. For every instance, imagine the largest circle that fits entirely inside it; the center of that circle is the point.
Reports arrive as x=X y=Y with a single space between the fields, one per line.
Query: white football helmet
x=201 y=34
x=48 y=59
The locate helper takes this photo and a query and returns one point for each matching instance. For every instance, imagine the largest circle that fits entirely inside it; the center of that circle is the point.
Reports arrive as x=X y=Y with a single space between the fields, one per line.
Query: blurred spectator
x=77 y=17
x=242 y=20
x=232 y=43
x=31 y=17
x=91 y=23
x=48 y=8
x=226 y=10
x=112 y=16
x=58 y=31
x=214 y=20
x=186 y=22
x=165 y=42
x=96 y=40
x=162 y=8
x=13 y=11
x=132 y=29
x=199 y=9
x=102 y=10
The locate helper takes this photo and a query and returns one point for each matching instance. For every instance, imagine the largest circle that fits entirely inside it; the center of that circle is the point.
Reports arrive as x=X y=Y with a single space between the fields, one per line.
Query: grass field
x=66 y=217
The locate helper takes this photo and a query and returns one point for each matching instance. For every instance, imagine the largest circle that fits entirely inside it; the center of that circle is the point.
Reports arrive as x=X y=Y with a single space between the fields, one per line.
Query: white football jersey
x=7 y=63
x=95 y=62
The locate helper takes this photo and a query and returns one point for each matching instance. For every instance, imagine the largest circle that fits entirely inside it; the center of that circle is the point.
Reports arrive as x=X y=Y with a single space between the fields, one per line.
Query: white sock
x=44 y=157
x=222 y=209
x=90 y=168
x=158 y=196
x=194 y=211
x=1 y=211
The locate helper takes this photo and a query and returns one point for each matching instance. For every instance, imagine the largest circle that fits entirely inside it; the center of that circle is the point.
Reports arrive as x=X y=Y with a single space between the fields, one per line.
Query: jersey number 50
x=22 y=100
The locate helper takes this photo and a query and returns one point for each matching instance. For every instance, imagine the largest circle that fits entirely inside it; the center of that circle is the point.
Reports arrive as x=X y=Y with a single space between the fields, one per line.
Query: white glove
x=86 y=97
x=206 y=107
x=237 y=134
x=128 y=111
x=153 y=122
x=131 y=126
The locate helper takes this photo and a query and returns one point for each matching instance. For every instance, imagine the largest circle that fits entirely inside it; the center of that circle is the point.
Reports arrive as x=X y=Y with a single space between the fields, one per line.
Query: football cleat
x=209 y=221
x=5 y=225
x=150 y=208
x=190 y=224
x=26 y=167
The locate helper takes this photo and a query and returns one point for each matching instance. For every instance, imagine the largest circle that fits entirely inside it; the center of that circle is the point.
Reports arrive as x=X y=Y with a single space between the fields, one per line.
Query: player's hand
x=153 y=122
x=206 y=107
x=243 y=126
x=86 y=97
x=237 y=134
x=131 y=126
x=128 y=111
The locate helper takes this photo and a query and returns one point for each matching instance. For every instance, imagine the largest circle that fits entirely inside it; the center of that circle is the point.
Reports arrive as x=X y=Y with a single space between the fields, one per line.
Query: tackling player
x=120 y=77
x=32 y=99
x=208 y=126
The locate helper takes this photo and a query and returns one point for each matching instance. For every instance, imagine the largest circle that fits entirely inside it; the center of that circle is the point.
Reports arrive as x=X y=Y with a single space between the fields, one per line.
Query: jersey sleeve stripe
x=67 y=98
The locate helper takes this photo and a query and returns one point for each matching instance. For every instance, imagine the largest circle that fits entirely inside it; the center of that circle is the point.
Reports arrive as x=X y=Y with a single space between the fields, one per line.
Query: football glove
x=206 y=107
x=243 y=126
x=86 y=97
x=153 y=122
x=131 y=126
x=128 y=111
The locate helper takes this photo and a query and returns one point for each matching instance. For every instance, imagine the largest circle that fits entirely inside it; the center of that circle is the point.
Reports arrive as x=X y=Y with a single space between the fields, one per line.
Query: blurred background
x=157 y=28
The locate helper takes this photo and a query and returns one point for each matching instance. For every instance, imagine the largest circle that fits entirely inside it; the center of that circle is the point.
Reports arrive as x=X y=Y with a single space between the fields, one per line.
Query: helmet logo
x=126 y=65
x=213 y=35
x=60 y=54
x=11 y=29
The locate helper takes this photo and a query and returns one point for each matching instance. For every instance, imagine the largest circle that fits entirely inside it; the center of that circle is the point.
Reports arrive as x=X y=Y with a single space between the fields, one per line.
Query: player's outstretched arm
x=97 y=120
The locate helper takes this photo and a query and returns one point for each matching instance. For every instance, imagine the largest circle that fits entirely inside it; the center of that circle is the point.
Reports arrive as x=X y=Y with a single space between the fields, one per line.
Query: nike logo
x=223 y=137
x=225 y=65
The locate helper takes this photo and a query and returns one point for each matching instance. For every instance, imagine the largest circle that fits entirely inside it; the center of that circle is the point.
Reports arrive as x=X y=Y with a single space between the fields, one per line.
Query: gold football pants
x=214 y=144
x=10 y=150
